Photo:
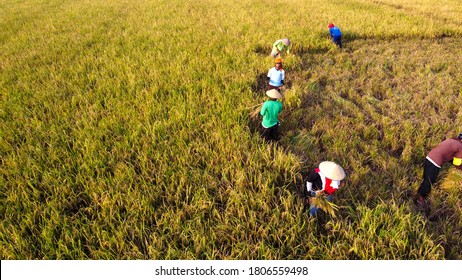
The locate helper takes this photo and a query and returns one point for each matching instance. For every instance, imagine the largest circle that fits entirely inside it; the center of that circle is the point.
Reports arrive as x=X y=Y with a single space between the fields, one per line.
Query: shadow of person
x=262 y=50
x=260 y=86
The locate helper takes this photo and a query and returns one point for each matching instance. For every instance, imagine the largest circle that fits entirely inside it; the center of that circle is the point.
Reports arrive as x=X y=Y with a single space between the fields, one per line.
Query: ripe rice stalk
x=322 y=203
x=452 y=182
x=114 y=147
x=255 y=113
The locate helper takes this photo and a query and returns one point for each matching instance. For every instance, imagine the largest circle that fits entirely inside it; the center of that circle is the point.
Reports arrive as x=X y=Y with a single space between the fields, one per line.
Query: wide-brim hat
x=286 y=41
x=332 y=170
x=273 y=93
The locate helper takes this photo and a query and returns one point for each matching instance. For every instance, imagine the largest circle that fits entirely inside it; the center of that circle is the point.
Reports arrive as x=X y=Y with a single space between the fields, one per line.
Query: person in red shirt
x=324 y=180
x=446 y=151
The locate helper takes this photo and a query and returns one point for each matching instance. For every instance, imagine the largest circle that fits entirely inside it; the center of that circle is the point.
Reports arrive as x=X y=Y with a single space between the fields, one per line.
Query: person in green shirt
x=279 y=46
x=270 y=111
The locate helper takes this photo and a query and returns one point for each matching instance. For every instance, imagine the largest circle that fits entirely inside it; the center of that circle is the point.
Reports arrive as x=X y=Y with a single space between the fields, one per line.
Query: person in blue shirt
x=270 y=111
x=335 y=34
x=276 y=75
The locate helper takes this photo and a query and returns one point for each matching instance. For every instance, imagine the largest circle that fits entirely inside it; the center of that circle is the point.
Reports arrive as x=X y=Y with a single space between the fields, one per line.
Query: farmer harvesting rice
x=279 y=46
x=448 y=150
x=322 y=181
x=335 y=34
x=270 y=111
x=276 y=75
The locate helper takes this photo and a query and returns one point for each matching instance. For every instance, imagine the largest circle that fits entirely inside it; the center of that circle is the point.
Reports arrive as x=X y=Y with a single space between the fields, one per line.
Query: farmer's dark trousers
x=337 y=40
x=270 y=87
x=429 y=178
x=271 y=133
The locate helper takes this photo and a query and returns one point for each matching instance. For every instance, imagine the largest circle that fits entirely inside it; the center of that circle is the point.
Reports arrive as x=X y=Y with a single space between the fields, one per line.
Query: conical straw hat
x=286 y=41
x=332 y=170
x=272 y=93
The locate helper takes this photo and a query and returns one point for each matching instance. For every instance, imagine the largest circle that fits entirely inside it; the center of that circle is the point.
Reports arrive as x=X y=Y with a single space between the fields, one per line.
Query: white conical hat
x=332 y=170
x=286 y=41
x=273 y=93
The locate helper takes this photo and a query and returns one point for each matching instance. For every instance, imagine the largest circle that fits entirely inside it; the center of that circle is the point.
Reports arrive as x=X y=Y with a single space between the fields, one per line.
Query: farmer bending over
x=279 y=46
x=335 y=34
x=322 y=181
x=448 y=150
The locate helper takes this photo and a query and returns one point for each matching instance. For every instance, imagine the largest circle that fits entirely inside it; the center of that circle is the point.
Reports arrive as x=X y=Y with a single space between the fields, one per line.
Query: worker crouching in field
x=448 y=150
x=322 y=181
x=335 y=34
x=279 y=46
x=270 y=111
x=276 y=75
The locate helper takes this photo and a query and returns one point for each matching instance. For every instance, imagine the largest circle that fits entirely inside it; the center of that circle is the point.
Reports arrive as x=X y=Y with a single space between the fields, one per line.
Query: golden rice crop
x=125 y=130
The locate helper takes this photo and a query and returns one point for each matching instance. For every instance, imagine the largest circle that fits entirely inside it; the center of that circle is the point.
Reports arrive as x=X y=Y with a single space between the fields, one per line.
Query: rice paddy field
x=127 y=130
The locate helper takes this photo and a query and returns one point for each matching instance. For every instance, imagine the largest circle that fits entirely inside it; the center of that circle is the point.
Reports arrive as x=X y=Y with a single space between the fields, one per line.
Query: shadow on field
x=259 y=88
x=302 y=50
x=262 y=50
x=260 y=85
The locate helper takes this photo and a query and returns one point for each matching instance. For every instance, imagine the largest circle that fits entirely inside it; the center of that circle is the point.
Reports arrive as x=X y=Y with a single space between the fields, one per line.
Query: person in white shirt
x=276 y=75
